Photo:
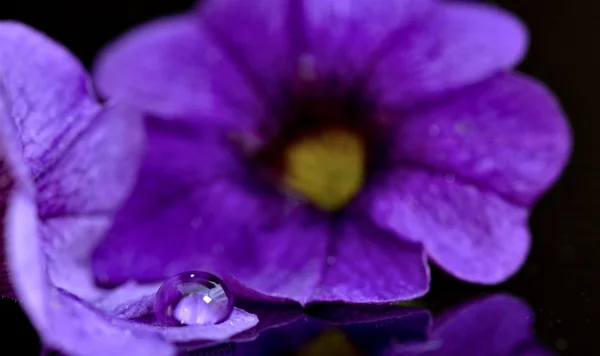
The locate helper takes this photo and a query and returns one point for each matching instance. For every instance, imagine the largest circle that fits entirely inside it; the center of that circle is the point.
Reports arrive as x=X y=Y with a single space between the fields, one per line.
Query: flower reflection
x=495 y=325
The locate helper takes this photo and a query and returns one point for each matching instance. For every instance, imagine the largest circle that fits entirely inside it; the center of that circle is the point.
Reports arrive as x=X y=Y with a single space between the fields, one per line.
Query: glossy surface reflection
x=496 y=325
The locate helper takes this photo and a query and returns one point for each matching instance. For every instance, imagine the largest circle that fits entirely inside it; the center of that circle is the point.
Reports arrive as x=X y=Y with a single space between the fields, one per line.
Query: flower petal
x=24 y=257
x=370 y=265
x=68 y=243
x=174 y=69
x=45 y=92
x=198 y=231
x=342 y=36
x=181 y=170
x=456 y=44
x=507 y=135
x=79 y=330
x=472 y=234
x=238 y=321
x=62 y=321
x=257 y=36
x=98 y=170
x=288 y=255
x=109 y=325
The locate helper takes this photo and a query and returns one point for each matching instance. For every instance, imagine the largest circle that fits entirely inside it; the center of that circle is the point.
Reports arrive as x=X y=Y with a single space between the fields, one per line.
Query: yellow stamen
x=327 y=167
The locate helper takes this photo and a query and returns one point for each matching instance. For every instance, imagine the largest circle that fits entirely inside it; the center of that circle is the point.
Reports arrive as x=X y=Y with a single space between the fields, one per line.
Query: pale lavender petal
x=369 y=265
x=68 y=244
x=117 y=322
x=457 y=44
x=79 y=330
x=24 y=258
x=472 y=234
x=98 y=170
x=507 y=135
x=174 y=69
x=238 y=321
x=45 y=92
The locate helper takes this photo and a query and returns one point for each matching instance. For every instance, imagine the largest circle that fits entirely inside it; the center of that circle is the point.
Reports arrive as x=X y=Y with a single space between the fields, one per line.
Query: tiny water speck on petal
x=434 y=130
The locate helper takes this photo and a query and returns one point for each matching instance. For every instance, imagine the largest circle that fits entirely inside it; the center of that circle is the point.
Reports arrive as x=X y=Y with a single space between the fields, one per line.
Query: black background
x=561 y=280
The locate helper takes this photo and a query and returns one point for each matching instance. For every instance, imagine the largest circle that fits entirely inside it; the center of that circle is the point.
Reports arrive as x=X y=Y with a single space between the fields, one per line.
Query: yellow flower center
x=327 y=167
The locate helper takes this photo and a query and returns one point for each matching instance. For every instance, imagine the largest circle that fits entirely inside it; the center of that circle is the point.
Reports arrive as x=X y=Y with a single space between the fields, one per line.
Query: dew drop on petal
x=434 y=130
x=331 y=260
x=193 y=298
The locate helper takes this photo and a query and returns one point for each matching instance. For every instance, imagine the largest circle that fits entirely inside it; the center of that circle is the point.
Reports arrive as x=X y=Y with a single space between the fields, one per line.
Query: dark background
x=561 y=280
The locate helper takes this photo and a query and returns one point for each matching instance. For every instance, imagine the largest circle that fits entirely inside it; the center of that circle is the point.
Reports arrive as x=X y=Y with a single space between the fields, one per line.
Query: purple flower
x=499 y=325
x=68 y=163
x=320 y=150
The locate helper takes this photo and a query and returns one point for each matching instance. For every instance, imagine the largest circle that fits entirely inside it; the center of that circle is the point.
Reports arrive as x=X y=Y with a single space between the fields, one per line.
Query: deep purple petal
x=457 y=44
x=341 y=37
x=257 y=244
x=370 y=265
x=97 y=171
x=257 y=36
x=287 y=258
x=472 y=234
x=6 y=289
x=45 y=92
x=174 y=69
x=507 y=135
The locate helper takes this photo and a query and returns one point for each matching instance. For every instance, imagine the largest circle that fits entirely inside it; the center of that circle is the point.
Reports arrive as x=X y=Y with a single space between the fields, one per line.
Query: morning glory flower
x=68 y=163
x=324 y=150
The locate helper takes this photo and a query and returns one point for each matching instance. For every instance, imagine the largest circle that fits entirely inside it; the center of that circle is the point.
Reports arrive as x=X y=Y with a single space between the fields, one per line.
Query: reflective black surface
x=560 y=280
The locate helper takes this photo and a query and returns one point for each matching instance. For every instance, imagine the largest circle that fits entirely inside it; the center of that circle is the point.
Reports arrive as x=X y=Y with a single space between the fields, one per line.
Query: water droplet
x=450 y=177
x=460 y=128
x=434 y=130
x=561 y=344
x=196 y=223
x=307 y=67
x=193 y=298
x=217 y=249
x=331 y=260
